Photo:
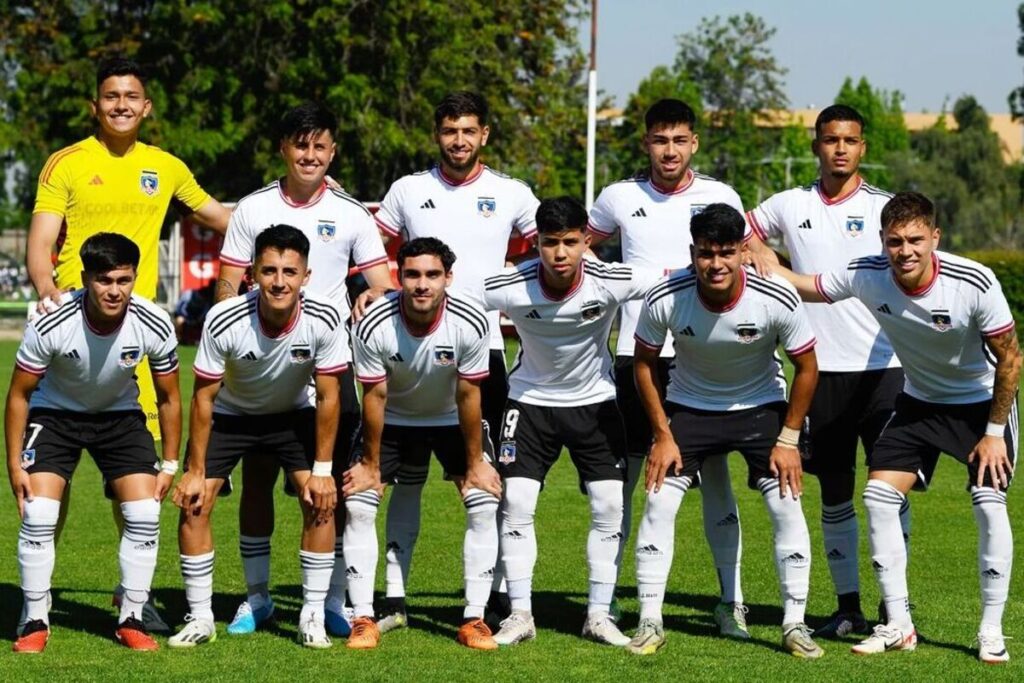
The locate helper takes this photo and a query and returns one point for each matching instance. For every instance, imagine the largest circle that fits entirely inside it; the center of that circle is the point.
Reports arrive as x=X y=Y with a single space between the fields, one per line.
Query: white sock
x=995 y=554
x=361 y=550
x=839 y=528
x=722 y=525
x=634 y=468
x=316 y=577
x=655 y=544
x=479 y=550
x=792 y=549
x=140 y=542
x=518 y=539
x=336 y=592
x=255 y=552
x=401 y=529
x=37 y=555
x=197 y=572
x=905 y=525
x=888 y=553
x=603 y=541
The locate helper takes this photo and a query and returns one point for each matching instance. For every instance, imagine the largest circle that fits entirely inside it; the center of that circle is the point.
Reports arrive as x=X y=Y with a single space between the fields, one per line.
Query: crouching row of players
x=421 y=353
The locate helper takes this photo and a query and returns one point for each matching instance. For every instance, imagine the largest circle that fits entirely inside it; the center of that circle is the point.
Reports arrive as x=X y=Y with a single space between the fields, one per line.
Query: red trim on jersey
x=806 y=348
x=756 y=227
x=48 y=170
x=207 y=375
x=30 y=369
x=563 y=296
x=376 y=379
x=926 y=287
x=371 y=264
x=333 y=370
x=687 y=181
x=287 y=328
x=593 y=228
x=317 y=196
x=234 y=262
x=841 y=198
x=646 y=344
x=732 y=304
x=475 y=375
x=821 y=290
x=433 y=325
x=448 y=180
x=999 y=330
x=394 y=232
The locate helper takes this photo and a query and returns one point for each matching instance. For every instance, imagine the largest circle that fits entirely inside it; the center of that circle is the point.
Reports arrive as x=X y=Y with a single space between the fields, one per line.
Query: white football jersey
x=563 y=359
x=938 y=331
x=87 y=372
x=725 y=357
x=340 y=230
x=421 y=372
x=262 y=374
x=655 y=230
x=475 y=218
x=821 y=235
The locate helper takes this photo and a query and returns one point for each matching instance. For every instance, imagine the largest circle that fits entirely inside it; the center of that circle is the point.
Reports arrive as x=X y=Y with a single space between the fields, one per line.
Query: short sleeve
x=53 y=192
x=526 y=212
x=163 y=355
x=369 y=362
x=367 y=249
x=496 y=291
x=186 y=189
x=626 y=282
x=765 y=219
x=238 y=241
x=474 y=357
x=652 y=326
x=34 y=353
x=795 y=333
x=836 y=285
x=602 y=221
x=210 y=357
x=389 y=217
x=332 y=355
x=993 y=315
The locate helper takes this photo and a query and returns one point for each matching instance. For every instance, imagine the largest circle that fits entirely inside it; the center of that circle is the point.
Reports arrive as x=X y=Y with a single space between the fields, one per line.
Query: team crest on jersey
x=855 y=226
x=325 y=230
x=507 y=452
x=696 y=208
x=444 y=356
x=941 y=320
x=747 y=333
x=130 y=356
x=301 y=353
x=485 y=206
x=591 y=310
x=149 y=182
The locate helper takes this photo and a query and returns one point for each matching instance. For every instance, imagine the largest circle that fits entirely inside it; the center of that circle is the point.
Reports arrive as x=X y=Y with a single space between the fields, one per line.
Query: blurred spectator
x=191 y=311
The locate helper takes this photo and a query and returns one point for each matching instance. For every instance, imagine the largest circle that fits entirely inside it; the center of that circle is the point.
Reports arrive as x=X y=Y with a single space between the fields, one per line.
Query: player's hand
x=49 y=301
x=21 y=485
x=364 y=300
x=991 y=456
x=786 y=467
x=664 y=458
x=482 y=475
x=762 y=265
x=333 y=184
x=321 y=494
x=190 y=493
x=163 y=485
x=361 y=477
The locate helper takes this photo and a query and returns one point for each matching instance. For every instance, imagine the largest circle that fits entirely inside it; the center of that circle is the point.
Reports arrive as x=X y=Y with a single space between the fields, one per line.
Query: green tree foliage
x=885 y=129
x=1016 y=97
x=222 y=73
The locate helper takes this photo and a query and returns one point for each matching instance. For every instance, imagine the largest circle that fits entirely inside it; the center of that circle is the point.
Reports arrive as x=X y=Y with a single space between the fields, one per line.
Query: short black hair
x=309 y=118
x=561 y=214
x=670 y=112
x=461 y=103
x=106 y=251
x=906 y=207
x=719 y=224
x=119 y=66
x=281 y=237
x=837 y=112
x=426 y=246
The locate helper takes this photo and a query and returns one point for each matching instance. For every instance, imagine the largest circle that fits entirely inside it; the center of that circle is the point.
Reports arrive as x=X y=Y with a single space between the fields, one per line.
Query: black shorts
x=848 y=406
x=638 y=425
x=118 y=441
x=289 y=437
x=919 y=431
x=494 y=391
x=701 y=434
x=532 y=438
x=405 y=452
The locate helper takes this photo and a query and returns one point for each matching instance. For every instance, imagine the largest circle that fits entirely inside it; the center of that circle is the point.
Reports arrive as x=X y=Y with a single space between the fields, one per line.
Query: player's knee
x=144 y=511
x=605 y=504
x=41 y=514
x=361 y=508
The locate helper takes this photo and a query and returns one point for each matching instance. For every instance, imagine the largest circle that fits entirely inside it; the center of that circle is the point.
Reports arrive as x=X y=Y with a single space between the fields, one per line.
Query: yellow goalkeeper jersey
x=96 y=191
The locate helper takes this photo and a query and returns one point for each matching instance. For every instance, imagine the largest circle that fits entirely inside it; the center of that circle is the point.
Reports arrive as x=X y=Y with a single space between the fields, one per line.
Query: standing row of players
x=474 y=209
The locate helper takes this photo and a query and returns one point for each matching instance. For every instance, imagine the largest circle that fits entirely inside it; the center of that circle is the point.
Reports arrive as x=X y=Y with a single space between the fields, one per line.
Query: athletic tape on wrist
x=788 y=437
x=993 y=429
x=169 y=467
x=322 y=469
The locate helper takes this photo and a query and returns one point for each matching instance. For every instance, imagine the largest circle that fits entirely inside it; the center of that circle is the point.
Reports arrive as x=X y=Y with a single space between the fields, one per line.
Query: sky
x=930 y=50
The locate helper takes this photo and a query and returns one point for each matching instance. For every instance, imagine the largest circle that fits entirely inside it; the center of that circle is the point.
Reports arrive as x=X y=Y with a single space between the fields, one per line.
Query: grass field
x=943 y=580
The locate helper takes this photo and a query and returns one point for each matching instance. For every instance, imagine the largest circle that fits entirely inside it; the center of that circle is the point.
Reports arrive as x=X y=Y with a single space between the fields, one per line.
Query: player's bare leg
x=256 y=527
x=195 y=542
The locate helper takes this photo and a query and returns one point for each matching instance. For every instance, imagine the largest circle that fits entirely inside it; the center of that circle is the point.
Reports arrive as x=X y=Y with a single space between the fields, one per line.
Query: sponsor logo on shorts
x=130 y=356
x=855 y=226
x=941 y=320
x=325 y=230
x=149 y=182
x=747 y=333
x=444 y=355
x=507 y=453
x=301 y=354
x=485 y=206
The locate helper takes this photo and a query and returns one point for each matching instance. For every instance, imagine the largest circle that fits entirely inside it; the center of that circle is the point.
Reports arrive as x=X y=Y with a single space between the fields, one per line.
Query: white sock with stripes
x=479 y=550
x=995 y=554
x=792 y=549
x=140 y=541
x=888 y=552
x=839 y=529
x=316 y=577
x=37 y=555
x=197 y=573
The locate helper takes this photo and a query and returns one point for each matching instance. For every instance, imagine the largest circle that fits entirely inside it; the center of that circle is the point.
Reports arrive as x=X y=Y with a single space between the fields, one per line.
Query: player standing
x=951 y=326
x=266 y=385
x=421 y=355
x=74 y=387
x=823 y=226
x=726 y=393
x=339 y=230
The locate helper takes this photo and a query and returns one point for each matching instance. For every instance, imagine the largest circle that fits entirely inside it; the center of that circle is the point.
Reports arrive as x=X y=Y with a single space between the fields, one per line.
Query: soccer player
x=339 y=230
x=421 y=354
x=652 y=213
x=266 y=386
x=112 y=181
x=561 y=393
x=726 y=393
x=74 y=387
x=823 y=225
x=951 y=327
x=475 y=210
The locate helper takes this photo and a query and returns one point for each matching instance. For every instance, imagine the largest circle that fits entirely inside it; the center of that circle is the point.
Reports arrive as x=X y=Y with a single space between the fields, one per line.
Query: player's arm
x=320 y=492
x=806 y=285
x=991 y=449
x=229 y=279
x=168 y=408
x=378 y=277
x=213 y=215
x=15 y=421
x=365 y=474
x=480 y=474
x=785 y=458
x=665 y=456
x=190 y=492
x=43 y=232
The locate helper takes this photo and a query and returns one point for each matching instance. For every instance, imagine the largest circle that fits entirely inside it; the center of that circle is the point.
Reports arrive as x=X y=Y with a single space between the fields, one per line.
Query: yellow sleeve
x=186 y=189
x=53 y=193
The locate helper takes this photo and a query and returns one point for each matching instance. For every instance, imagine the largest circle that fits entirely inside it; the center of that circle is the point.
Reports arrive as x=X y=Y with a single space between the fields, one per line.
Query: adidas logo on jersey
x=73 y=355
x=795 y=560
x=806 y=225
x=429 y=204
x=250 y=356
x=639 y=213
x=396 y=358
x=836 y=554
x=649 y=549
x=884 y=308
x=533 y=314
x=728 y=520
x=687 y=331
x=96 y=180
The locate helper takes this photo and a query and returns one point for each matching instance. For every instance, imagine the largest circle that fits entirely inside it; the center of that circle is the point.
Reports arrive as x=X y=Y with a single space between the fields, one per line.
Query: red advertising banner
x=200 y=255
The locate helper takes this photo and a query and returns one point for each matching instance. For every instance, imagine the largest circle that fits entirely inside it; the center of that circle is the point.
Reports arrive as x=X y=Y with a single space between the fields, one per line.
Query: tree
x=1016 y=97
x=884 y=127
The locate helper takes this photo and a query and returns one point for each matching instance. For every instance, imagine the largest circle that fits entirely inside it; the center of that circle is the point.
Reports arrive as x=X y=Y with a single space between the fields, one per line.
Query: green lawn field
x=943 y=580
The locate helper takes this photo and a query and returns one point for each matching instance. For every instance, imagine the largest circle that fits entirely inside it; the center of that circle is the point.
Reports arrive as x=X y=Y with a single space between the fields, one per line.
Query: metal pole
x=592 y=105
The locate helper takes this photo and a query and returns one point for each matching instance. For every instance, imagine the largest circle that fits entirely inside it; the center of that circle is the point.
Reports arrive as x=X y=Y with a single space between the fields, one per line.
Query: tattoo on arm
x=1006 y=349
x=225 y=290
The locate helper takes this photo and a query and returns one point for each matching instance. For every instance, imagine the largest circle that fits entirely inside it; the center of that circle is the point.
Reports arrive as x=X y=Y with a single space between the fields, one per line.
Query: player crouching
x=74 y=387
x=264 y=361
